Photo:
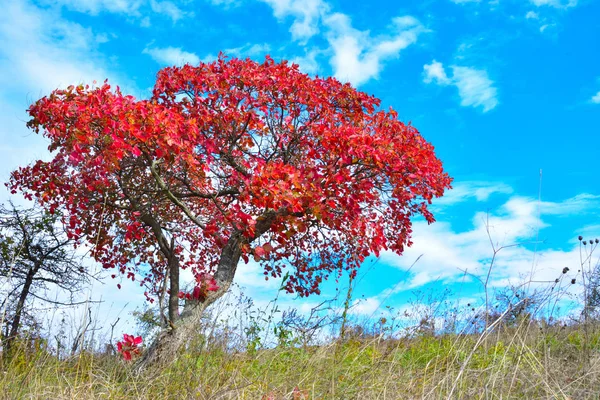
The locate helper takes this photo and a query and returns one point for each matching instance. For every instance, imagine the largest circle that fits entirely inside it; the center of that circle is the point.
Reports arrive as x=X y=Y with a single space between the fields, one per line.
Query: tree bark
x=168 y=251
x=168 y=343
x=173 y=287
x=16 y=322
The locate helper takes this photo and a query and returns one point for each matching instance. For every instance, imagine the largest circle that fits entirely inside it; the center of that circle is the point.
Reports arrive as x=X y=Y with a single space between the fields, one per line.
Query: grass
x=525 y=360
x=523 y=352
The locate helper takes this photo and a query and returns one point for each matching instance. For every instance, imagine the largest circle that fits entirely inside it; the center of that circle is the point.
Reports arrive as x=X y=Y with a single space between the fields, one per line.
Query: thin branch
x=161 y=183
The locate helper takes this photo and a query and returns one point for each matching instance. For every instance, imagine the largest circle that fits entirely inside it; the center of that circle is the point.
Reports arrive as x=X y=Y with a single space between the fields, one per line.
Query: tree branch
x=161 y=183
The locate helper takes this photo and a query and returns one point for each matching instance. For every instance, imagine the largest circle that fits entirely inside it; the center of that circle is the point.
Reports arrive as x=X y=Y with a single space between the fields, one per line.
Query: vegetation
x=525 y=360
x=37 y=260
x=227 y=161
x=233 y=160
x=437 y=347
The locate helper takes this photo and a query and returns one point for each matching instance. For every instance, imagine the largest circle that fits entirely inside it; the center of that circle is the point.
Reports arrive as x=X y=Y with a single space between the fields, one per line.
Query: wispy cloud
x=354 y=55
x=226 y=3
x=570 y=206
x=249 y=50
x=169 y=9
x=554 y=3
x=95 y=7
x=308 y=63
x=596 y=98
x=532 y=15
x=478 y=190
x=436 y=73
x=474 y=86
x=134 y=10
x=306 y=15
x=171 y=55
x=447 y=253
x=49 y=53
x=357 y=57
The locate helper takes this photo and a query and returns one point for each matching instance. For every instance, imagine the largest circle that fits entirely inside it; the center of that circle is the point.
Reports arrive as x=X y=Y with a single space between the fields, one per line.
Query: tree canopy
x=231 y=160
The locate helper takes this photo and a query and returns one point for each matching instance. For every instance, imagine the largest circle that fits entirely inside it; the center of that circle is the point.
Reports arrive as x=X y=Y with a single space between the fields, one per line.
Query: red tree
x=227 y=160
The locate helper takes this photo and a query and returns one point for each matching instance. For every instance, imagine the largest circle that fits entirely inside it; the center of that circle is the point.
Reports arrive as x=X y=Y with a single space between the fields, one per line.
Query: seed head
x=584 y=242
x=573 y=281
x=565 y=270
x=580 y=238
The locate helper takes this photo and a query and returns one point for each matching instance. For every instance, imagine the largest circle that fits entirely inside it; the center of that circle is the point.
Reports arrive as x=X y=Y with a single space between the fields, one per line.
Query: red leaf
x=259 y=251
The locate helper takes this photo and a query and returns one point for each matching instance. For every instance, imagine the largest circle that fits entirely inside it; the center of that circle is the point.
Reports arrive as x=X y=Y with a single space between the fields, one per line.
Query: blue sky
x=502 y=88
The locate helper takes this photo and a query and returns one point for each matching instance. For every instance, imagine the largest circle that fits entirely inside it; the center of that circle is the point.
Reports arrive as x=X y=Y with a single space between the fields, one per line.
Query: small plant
x=128 y=347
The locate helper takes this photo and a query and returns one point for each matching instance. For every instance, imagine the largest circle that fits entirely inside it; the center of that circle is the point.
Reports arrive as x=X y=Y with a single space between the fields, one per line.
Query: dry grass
x=522 y=361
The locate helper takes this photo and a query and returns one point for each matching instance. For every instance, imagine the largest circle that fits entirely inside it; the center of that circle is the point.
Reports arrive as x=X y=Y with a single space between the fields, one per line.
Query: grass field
x=525 y=360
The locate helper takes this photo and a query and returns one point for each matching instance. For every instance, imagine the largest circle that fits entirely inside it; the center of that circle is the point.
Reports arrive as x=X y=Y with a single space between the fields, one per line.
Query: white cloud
x=306 y=15
x=134 y=9
x=474 y=86
x=167 y=8
x=171 y=56
x=479 y=190
x=366 y=307
x=532 y=15
x=357 y=57
x=249 y=50
x=554 y=3
x=570 y=206
x=49 y=53
x=544 y=27
x=596 y=98
x=465 y=1
x=251 y=276
x=447 y=253
x=308 y=63
x=435 y=72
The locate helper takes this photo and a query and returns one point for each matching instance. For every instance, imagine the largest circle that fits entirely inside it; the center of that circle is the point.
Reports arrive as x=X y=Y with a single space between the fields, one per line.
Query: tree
x=230 y=160
x=35 y=256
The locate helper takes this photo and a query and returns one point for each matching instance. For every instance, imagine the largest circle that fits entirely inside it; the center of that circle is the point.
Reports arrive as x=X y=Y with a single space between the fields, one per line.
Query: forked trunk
x=167 y=345
x=165 y=348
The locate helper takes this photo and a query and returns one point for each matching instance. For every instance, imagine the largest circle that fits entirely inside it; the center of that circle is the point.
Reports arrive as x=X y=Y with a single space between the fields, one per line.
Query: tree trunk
x=173 y=287
x=167 y=345
x=14 y=326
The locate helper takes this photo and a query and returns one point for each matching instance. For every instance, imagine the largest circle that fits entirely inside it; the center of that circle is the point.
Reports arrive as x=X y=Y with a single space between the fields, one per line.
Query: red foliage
x=204 y=283
x=129 y=346
x=312 y=174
